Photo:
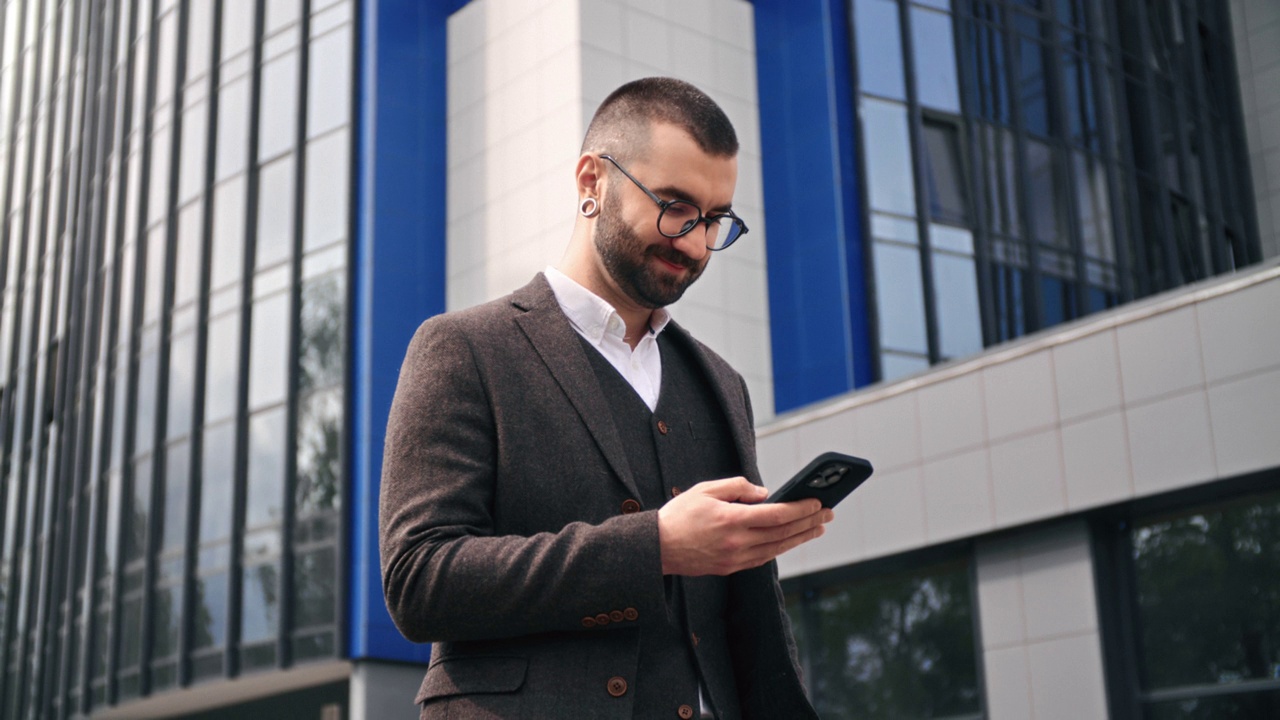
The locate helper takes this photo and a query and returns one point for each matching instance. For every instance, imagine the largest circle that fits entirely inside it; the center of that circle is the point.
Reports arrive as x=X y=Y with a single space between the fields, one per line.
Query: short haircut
x=621 y=125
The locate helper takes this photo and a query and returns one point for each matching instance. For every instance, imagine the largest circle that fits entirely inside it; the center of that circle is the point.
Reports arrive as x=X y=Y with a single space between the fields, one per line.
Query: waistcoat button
x=617 y=687
x=662 y=427
x=685 y=712
x=630 y=506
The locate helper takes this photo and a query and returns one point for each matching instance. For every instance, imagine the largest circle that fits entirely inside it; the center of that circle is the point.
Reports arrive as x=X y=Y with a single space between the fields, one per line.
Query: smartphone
x=830 y=477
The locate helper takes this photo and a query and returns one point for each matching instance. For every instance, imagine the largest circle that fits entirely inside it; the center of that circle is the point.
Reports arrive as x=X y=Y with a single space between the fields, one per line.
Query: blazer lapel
x=727 y=387
x=558 y=346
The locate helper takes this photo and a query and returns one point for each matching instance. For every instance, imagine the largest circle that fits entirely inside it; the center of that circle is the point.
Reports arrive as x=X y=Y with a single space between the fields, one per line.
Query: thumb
x=736 y=489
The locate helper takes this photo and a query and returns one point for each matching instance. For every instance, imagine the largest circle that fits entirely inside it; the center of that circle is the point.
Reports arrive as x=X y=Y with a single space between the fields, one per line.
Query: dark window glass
x=319 y=474
x=320 y=357
x=138 y=507
x=166 y=613
x=217 y=482
x=1043 y=190
x=937 y=85
x=897 y=646
x=278 y=114
x=275 y=212
x=879 y=40
x=329 y=84
x=130 y=632
x=1057 y=300
x=173 y=524
x=1078 y=99
x=182 y=358
x=1032 y=86
x=260 y=609
x=1208 y=596
x=268 y=351
x=1250 y=706
x=1010 y=300
x=314 y=575
x=265 y=484
x=222 y=367
x=209 y=625
x=1002 y=181
x=990 y=58
x=944 y=174
x=327 y=191
x=1093 y=201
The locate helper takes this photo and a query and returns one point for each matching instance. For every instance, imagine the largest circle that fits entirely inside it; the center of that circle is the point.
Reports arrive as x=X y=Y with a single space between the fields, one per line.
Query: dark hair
x=622 y=122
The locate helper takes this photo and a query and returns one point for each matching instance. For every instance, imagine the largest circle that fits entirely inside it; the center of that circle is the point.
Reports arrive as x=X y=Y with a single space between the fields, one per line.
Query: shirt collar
x=590 y=314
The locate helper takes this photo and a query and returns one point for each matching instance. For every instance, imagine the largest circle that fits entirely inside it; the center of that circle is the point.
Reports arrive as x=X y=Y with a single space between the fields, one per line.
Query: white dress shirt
x=597 y=322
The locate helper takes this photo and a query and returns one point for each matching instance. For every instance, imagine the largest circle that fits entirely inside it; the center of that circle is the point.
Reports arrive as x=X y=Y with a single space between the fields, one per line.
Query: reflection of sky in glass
x=222 y=367
x=959 y=320
x=217 y=482
x=268 y=362
x=900 y=298
x=260 y=607
x=888 y=149
x=266 y=468
x=937 y=85
x=879 y=42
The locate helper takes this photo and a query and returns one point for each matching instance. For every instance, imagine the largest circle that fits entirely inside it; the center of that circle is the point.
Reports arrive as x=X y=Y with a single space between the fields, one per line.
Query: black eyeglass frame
x=701 y=219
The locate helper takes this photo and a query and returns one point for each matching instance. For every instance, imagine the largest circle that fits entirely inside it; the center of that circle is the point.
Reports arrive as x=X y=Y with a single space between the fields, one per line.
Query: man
x=570 y=499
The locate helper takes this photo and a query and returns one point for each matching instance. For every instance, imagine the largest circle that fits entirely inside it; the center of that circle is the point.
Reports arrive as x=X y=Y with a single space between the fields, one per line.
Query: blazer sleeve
x=446 y=574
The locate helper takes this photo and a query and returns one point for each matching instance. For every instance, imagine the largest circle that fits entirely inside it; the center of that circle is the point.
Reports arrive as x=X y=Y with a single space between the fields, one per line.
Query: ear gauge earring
x=589 y=207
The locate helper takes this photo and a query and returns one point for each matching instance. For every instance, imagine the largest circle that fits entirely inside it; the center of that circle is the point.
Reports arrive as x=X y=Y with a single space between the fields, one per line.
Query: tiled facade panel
x=524 y=80
x=1172 y=392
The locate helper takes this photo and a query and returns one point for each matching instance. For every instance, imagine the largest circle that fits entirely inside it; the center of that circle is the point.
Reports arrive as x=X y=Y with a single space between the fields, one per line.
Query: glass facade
x=176 y=181
x=1028 y=162
x=895 y=645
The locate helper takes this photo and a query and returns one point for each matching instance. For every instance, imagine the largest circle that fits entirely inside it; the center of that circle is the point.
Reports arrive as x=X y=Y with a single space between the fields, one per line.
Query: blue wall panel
x=399 y=268
x=817 y=286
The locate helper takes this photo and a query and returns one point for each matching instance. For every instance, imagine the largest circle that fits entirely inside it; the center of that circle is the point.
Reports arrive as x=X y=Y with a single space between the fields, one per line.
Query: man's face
x=649 y=268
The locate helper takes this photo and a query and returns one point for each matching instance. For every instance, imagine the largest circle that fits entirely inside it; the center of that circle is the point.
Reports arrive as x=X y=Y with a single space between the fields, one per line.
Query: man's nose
x=693 y=243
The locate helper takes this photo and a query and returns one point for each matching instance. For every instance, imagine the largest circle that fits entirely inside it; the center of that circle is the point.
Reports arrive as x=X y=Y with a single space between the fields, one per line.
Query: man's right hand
x=719 y=527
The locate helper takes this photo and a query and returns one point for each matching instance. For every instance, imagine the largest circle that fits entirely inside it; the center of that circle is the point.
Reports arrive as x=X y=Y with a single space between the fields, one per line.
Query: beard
x=626 y=258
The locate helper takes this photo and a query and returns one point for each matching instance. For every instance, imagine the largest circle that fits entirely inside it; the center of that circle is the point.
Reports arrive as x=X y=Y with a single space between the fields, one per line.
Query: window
x=894 y=645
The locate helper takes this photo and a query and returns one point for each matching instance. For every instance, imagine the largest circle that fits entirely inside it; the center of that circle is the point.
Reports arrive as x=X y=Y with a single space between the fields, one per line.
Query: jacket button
x=630 y=506
x=617 y=686
x=630 y=614
x=662 y=427
x=616 y=616
x=588 y=622
x=695 y=639
x=602 y=619
x=675 y=491
x=685 y=712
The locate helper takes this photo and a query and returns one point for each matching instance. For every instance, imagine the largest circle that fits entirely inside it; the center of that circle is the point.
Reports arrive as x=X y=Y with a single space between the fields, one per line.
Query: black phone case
x=830 y=477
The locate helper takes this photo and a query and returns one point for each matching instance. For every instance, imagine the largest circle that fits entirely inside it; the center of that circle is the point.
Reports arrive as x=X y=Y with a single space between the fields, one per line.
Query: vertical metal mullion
x=90 y=210
x=284 y=654
x=236 y=577
x=915 y=133
x=139 y=299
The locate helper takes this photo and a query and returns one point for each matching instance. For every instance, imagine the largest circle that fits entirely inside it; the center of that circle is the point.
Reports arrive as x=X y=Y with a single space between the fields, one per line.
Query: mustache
x=673 y=256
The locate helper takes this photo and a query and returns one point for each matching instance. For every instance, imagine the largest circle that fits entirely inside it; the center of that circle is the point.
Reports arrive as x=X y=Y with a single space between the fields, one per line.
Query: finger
x=771 y=551
x=780 y=533
x=775 y=514
x=735 y=489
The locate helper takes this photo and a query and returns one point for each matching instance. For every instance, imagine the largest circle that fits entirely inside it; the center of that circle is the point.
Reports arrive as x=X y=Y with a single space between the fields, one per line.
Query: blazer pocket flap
x=471 y=675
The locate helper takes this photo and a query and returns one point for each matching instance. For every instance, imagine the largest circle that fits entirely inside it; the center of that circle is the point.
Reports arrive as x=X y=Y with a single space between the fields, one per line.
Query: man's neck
x=635 y=317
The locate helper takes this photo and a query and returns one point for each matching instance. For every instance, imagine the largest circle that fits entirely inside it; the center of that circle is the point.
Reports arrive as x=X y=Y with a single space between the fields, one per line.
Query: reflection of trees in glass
x=319 y=445
x=209 y=626
x=313 y=588
x=1208 y=596
x=261 y=603
x=164 y=620
x=320 y=339
x=893 y=647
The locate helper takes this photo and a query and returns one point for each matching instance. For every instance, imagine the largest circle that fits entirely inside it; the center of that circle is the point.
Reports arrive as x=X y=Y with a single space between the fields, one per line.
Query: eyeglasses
x=678 y=218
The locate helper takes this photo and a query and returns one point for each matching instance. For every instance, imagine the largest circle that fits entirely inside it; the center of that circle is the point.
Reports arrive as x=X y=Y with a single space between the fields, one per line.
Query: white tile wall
x=524 y=79
x=1066 y=679
x=1042 y=430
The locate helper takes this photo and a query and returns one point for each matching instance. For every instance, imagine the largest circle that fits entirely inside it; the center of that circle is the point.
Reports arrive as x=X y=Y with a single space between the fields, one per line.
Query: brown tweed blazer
x=502 y=527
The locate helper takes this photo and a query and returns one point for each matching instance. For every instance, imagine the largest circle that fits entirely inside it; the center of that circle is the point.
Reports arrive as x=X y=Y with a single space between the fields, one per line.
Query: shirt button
x=630 y=506
x=616 y=686
x=685 y=712
x=662 y=427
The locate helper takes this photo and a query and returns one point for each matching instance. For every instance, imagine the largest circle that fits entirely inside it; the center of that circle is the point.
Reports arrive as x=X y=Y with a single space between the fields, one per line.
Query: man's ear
x=590 y=176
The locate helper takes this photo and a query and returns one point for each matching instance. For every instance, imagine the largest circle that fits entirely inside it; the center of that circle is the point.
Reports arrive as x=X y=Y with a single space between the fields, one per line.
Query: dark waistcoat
x=684 y=441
